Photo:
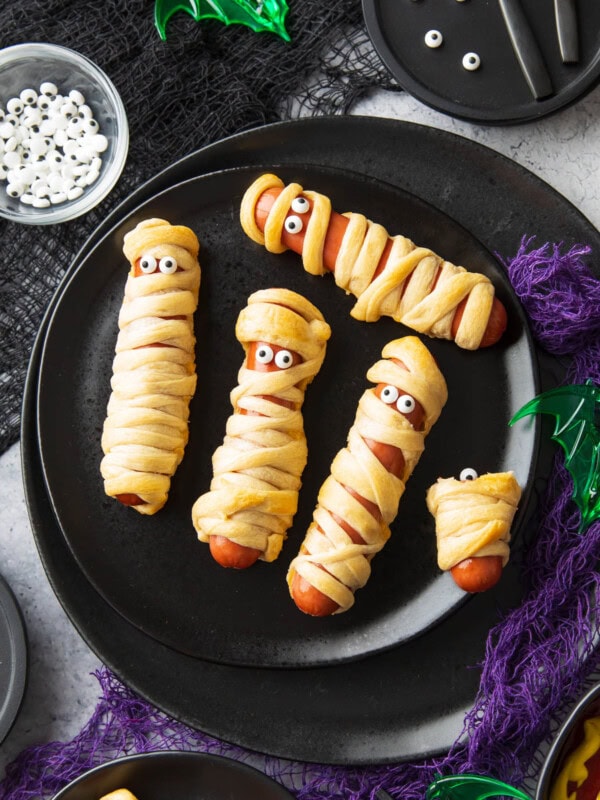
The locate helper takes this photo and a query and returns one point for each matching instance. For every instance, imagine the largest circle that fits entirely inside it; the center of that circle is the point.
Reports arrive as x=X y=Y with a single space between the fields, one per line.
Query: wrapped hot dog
x=389 y=276
x=257 y=470
x=473 y=517
x=154 y=377
x=360 y=498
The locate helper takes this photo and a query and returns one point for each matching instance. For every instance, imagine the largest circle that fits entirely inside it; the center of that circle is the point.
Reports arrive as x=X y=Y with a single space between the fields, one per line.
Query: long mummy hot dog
x=389 y=276
x=257 y=471
x=146 y=428
x=473 y=517
x=360 y=498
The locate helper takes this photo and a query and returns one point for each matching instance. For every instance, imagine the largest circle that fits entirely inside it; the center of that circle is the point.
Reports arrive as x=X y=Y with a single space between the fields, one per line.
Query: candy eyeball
x=148 y=265
x=293 y=224
x=15 y=106
x=405 y=404
x=167 y=265
x=433 y=39
x=49 y=89
x=389 y=395
x=300 y=205
x=283 y=359
x=471 y=62
x=468 y=474
x=264 y=354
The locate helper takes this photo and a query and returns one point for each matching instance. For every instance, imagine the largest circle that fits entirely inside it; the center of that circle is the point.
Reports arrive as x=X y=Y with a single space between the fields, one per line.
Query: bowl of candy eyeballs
x=64 y=134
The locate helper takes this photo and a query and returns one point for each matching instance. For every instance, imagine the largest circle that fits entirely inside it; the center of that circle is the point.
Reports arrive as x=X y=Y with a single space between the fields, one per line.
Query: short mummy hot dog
x=473 y=517
x=389 y=276
x=360 y=498
x=154 y=378
x=257 y=470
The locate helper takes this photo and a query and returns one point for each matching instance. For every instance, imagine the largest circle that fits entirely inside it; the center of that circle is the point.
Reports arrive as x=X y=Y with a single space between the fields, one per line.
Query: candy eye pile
x=50 y=146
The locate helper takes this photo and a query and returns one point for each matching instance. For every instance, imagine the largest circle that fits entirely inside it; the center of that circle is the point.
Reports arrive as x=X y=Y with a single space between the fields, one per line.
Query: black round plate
x=497 y=92
x=409 y=702
x=13 y=658
x=152 y=569
x=175 y=776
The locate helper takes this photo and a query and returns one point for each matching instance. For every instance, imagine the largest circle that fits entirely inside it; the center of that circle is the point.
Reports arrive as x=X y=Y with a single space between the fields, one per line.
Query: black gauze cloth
x=206 y=82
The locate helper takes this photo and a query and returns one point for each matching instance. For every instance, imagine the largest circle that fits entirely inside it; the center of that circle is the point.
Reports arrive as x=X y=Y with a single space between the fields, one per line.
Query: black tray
x=13 y=658
x=385 y=708
x=496 y=93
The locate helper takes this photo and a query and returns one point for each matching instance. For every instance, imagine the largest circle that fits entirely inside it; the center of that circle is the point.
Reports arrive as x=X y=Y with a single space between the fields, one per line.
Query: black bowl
x=569 y=736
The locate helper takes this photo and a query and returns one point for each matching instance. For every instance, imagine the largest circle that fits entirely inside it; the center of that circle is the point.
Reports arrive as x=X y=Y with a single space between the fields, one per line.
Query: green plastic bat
x=471 y=787
x=259 y=15
x=576 y=409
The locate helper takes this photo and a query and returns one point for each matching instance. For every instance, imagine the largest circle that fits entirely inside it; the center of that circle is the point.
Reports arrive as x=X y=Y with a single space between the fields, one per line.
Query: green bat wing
x=576 y=409
x=471 y=787
x=259 y=15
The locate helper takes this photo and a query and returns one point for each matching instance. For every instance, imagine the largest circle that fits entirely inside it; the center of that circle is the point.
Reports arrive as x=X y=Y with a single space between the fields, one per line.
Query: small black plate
x=497 y=92
x=175 y=776
x=152 y=569
x=13 y=659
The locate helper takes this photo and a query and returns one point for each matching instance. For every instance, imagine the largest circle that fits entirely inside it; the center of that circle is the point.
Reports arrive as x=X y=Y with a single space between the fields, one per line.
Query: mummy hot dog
x=360 y=497
x=388 y=276
x=146 y=428
x=473 y=518
x=254 y=491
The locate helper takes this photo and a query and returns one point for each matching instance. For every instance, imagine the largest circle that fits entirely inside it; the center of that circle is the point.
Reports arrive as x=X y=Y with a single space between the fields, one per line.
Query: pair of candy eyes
x=293 y=223
x=166 y=265
x=283 y=358
x=403 y=402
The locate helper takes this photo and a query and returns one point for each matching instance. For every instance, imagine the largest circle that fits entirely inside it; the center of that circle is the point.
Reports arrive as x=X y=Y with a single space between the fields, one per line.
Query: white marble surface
x=563 y=149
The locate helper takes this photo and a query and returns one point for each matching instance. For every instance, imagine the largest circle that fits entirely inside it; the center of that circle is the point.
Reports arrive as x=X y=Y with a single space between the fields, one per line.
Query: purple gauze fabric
x=538 y=657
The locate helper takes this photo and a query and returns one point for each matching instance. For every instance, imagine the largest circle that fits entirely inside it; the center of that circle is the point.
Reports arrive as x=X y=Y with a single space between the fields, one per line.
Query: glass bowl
x=28 y=66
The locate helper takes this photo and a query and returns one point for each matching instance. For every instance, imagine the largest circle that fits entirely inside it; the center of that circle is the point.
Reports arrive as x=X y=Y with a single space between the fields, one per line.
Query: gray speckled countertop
x=563 y=150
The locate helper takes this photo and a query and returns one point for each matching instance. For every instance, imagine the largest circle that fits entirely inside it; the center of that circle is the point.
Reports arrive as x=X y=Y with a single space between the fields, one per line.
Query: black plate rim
x=391 y=746
x=15 y=658
x=180 y=760
x=536 y=109
x=356 y=647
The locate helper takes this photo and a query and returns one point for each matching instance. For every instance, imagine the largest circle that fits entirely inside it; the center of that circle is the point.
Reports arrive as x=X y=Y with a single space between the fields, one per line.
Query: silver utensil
x=565 y=14
x=526 y=49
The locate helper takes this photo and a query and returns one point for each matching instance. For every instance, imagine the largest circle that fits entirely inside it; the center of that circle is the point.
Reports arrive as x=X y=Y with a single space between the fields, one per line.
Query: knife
x=565 y=14
x=526 y=49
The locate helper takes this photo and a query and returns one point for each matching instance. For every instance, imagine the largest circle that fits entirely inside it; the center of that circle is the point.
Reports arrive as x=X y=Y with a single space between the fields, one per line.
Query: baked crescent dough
x=473 y=517
x=146 y=427
x=347 y=564
x=404 y=290
x=119 y=794
x=257 y=470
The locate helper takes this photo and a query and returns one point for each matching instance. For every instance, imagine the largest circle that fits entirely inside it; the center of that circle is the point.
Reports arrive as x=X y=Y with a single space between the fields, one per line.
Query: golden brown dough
x=119 y=794
x=327 y=544
x=404 y=290
x=473 y=517
x=154 y=378
x=257 y=470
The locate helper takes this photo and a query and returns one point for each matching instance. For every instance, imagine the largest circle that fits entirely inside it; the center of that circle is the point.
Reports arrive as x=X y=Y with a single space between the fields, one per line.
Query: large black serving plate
x=403 y=704
x=152 y=569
